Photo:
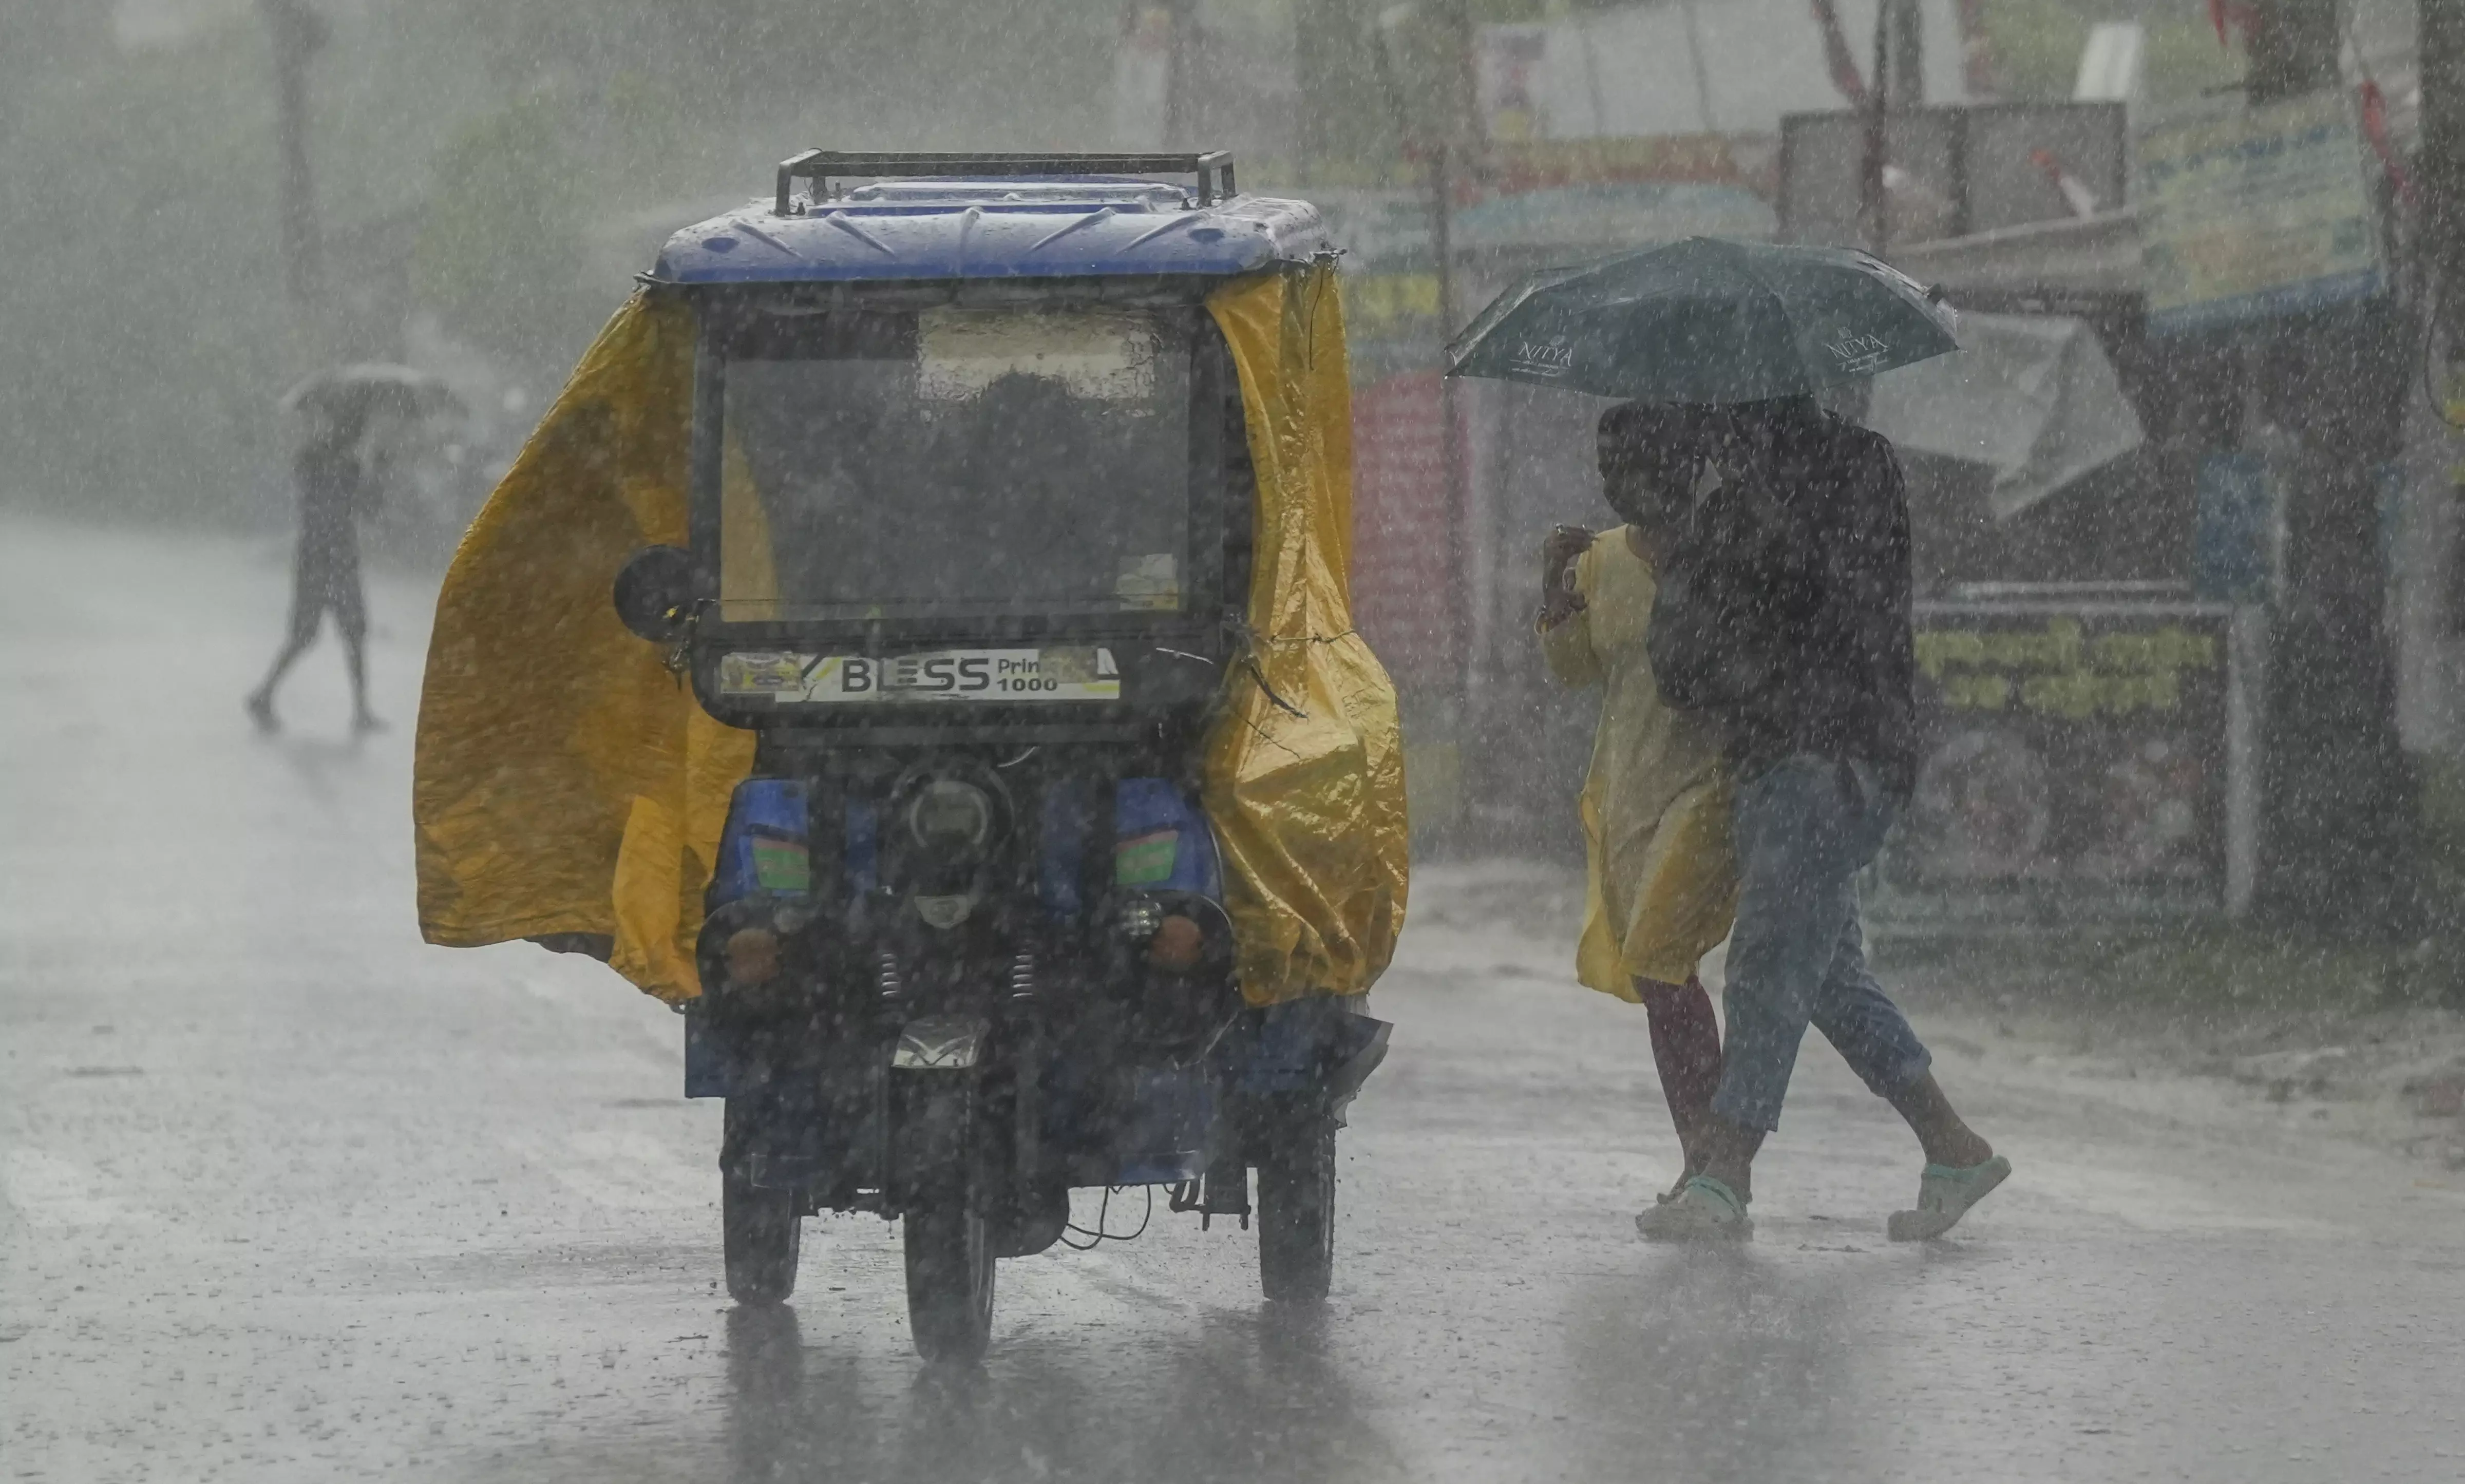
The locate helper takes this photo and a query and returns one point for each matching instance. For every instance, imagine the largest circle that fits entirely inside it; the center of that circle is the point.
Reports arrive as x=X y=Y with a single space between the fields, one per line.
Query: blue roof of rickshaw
x=1008 y=228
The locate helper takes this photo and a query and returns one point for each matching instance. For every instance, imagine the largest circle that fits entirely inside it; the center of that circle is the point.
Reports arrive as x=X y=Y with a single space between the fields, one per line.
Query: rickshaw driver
x=1011 y=466
x=1018 y=458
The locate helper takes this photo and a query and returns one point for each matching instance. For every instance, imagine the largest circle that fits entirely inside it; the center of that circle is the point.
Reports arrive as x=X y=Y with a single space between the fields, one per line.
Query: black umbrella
x=1705 y=320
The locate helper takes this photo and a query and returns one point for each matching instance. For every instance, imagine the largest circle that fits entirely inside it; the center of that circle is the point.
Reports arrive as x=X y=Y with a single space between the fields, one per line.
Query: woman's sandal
x=1705 y=1210
x=1694 y=1167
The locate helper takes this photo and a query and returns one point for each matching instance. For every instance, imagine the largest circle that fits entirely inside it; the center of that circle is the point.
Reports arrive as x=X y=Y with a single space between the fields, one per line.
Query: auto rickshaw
x=977 y=749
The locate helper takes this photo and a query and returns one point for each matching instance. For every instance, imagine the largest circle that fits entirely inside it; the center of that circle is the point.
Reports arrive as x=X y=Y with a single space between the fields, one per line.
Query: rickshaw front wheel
x=950 y=1253
x=1297 y=1212
x=763 y=1237
x=949 y=1284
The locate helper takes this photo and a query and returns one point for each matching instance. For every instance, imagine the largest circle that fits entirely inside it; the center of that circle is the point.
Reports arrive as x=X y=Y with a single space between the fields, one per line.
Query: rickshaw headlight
x=951 y=816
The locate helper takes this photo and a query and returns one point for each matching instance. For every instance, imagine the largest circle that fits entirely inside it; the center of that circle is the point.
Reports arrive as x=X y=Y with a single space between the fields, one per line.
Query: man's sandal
x=1945 y=1195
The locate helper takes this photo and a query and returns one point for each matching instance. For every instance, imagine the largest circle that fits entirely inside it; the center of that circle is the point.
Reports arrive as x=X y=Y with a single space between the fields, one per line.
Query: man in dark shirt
x=336 y=493
x=1783 y=613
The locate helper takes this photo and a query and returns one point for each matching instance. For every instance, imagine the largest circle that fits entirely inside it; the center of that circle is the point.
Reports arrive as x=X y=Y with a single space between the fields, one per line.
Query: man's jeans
x=1797 y=957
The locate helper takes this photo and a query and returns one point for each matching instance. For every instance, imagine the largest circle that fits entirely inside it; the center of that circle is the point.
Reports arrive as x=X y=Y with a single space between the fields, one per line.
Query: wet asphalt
x=293 y=1196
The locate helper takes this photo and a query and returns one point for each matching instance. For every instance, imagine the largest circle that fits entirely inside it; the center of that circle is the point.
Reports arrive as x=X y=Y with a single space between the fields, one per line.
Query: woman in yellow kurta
x=1655 y=804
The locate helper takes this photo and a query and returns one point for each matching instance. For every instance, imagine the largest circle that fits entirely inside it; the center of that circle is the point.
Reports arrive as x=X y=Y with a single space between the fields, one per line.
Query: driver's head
x=1649 y=456
x=1021 y=415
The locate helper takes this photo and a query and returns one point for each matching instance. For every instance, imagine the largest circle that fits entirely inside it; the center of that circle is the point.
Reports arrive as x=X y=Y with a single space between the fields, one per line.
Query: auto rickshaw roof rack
x=844 y=217
x=1211 y=171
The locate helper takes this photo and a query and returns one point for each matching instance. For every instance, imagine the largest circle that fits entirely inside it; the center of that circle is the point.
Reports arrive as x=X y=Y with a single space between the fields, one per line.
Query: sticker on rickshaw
x=994 y=676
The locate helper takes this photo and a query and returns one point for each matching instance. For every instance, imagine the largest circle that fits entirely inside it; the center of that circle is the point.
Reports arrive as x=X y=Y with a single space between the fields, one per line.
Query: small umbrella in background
x=1707 y=320
x=2033 y=396
x=371 y=386
x=408 y=421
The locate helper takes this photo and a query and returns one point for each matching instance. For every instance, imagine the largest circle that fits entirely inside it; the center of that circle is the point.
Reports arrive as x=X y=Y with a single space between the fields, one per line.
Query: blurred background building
x=203 y=198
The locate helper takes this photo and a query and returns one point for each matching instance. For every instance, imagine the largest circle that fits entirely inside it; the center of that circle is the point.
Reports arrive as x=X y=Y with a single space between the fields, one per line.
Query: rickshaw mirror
x=655 y=592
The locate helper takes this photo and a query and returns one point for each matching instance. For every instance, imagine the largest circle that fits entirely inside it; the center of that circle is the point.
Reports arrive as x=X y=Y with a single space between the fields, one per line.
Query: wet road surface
x=292 y=1196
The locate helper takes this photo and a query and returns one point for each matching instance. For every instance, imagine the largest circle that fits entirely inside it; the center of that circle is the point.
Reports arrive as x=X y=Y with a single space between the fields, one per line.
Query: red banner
x=1406 y=595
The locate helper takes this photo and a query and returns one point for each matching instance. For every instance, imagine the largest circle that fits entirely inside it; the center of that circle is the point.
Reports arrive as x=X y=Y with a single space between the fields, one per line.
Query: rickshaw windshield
x=955 y=462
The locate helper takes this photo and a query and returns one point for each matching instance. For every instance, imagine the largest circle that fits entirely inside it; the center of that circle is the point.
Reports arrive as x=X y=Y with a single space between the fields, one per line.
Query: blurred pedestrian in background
x=1655 y=801
x=338 y=490
x=1782 y=615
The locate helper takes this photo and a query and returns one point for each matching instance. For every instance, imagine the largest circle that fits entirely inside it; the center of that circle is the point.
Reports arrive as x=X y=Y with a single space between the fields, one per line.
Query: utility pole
x=1898 y=82
x=2337 y=811
x=1458 y=146
x=1345 y=133
x=1181 y=122
x=1907 y=42
x=298 y=34
x=1873 y=218
x=2441 y=170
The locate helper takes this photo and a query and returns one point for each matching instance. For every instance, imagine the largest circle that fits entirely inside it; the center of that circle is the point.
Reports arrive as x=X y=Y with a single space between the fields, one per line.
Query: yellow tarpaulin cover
x=565 y=783
x=1304 y=775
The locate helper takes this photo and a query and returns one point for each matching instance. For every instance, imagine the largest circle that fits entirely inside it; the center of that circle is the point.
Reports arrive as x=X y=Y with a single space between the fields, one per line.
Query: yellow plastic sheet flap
x=1304 y=775
x=565 y=781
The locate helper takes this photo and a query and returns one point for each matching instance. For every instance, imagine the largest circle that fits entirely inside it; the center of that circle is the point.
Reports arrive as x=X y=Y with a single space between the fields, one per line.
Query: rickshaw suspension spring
x=1022 y=976
x=887 y=978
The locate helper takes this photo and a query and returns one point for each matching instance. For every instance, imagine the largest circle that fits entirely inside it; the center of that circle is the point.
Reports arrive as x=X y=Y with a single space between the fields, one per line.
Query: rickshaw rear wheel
x=1297 y=1212
x=949 y=1249
x=763 y=1238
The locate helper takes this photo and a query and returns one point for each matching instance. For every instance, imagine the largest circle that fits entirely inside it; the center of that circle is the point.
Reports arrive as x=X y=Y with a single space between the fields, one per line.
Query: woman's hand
x=1559 y=599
